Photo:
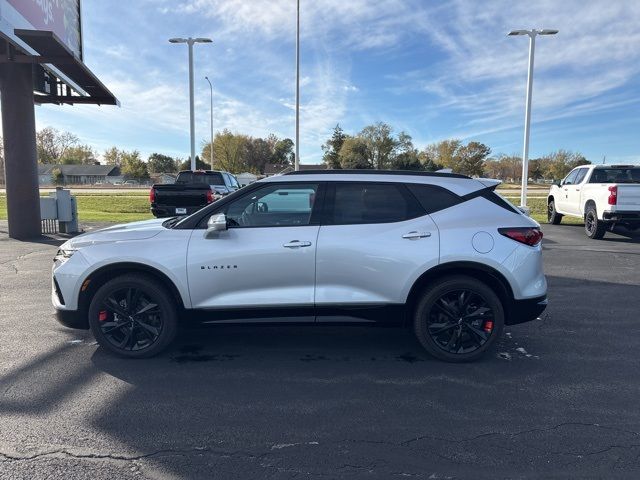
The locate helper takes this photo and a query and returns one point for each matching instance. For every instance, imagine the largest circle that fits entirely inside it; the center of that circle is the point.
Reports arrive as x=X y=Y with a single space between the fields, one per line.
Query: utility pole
x=297 y=159
x=211 y=122
x=527 y=114
x=192 y=122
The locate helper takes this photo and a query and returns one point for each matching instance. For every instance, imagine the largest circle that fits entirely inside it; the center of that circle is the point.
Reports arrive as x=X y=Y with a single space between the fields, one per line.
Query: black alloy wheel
x=130 y=320
x=133 y=316
x=460 y=321
x=458 y=318
x=553 y=217
x=594 y=228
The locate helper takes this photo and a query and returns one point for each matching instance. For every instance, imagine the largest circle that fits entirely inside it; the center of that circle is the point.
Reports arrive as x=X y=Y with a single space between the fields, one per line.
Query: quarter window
x=358 y=203
x=274 y=205
x=433 y=198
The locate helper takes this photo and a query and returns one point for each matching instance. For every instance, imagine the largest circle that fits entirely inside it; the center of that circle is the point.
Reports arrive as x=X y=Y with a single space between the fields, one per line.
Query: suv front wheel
x=133 y=316
x=458 y=319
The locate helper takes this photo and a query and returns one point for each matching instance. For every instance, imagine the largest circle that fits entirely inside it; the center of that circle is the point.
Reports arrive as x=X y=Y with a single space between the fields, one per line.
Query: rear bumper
x=162 y=211
x=622 y=216
x=526 y=310
x=72 y=319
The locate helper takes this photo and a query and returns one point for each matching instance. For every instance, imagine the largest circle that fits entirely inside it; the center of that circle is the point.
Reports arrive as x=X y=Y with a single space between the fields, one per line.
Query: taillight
x=209 y=196
x=528 y=235
x=613 y=195
x=152 y=195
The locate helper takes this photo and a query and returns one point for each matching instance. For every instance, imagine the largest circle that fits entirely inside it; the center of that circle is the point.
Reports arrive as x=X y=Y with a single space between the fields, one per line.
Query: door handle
x=297 y=244
x=416 y=235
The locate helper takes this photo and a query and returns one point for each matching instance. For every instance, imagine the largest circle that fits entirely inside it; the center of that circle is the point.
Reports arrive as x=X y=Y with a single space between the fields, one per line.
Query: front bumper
x=526 y=310
x=73 y=319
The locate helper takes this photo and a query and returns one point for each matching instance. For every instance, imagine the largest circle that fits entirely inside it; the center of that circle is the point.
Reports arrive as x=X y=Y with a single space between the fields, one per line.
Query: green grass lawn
x=104 y=208
x=126 y=207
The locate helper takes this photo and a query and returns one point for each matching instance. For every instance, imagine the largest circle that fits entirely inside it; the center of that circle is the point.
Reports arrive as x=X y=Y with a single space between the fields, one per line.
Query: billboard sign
x=62 y=17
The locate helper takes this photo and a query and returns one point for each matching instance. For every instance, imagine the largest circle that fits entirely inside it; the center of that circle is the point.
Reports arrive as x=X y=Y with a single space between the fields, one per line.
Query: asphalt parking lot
x=559 y=398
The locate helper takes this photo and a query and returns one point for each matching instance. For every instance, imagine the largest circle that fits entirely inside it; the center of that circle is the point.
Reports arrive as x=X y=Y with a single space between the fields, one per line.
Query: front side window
x=580 y=176
x=274 y=205
x=364 y=202
x=570 y=179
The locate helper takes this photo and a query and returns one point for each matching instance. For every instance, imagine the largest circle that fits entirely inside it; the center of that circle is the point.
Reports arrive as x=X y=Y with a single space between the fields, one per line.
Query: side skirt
x=388 y=315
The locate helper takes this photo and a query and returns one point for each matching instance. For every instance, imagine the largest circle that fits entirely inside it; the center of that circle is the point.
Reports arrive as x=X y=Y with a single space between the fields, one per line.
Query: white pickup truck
x=602 y=195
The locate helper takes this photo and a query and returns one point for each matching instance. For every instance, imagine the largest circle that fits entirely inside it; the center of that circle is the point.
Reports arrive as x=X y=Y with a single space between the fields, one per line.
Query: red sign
x=62 y=17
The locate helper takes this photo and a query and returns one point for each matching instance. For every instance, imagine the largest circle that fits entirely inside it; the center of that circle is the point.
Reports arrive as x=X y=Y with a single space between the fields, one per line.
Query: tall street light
x=211 y=122
x=297 y=159
x=190 y=41
x=527 y=115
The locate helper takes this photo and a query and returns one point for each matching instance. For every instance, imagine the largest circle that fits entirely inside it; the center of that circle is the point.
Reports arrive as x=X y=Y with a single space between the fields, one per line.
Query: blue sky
x=436 y=70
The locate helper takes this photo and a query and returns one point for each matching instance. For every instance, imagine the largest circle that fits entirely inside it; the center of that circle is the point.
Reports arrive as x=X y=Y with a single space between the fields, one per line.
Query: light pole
x=190 y=41
x=297 y=159
x=211 y=122
x=527 y=114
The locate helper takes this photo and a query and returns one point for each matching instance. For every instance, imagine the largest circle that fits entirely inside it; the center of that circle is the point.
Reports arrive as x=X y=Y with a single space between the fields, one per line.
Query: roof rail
x=377 y=172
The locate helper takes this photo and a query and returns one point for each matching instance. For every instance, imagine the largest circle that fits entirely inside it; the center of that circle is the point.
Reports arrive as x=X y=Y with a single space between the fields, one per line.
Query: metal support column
x=20 y=156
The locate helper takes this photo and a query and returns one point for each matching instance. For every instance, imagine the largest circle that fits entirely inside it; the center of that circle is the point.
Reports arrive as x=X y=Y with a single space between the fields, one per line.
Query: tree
x=51 y=144
x=283 y=153
x=133 y=167
x=113 y=156
x=331 y=148
x=186 y=164
x=563 y=161
x=159 y=163
x=56 y=176
x=443 y=153
x=406 y=155
x=78 y=155
x=355 y=154
x=228 y=150
x=258 y=152
x=471 y=159
x=380 y=144
x=428 y=162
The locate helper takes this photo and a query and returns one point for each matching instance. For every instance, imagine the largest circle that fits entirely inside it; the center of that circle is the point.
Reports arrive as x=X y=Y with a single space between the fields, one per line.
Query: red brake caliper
x=488 y=326
x=102 y=316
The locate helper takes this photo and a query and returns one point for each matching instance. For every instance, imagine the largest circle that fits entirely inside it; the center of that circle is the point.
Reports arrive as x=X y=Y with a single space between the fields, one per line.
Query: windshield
x=616 y=175
x=213 y=178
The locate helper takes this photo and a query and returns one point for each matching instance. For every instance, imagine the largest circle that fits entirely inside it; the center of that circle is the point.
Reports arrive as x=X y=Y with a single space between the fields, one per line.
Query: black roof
x=379 y=172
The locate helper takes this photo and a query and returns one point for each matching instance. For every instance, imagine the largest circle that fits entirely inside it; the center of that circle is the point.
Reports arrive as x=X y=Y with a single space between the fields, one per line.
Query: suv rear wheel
x=458 y=319
x=133 y=316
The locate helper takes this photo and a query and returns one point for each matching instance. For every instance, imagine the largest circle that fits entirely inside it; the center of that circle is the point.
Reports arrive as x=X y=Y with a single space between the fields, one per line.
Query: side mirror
x=558 y=183
x=262 y=207
x=216 y=223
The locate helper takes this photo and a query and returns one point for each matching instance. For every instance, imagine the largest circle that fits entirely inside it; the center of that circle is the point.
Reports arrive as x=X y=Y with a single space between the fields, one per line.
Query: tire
x=594 y=228
x=437 y=307
x=553 y=217
x=128 y=332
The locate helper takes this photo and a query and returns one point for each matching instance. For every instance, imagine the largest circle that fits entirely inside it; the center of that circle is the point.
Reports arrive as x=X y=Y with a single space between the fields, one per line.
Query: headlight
x=63 y=255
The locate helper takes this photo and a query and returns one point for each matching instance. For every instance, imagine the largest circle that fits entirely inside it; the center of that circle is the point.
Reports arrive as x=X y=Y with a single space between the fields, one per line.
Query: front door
x=265 y=258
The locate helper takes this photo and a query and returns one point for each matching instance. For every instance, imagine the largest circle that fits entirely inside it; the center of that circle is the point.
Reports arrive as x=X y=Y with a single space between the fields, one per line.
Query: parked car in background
x=602 y=195
x=440 y=253
x=131 y=183
x=191 y=191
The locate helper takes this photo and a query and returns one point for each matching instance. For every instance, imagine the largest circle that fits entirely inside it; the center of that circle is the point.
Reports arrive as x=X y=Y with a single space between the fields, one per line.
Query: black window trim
x=438 y=187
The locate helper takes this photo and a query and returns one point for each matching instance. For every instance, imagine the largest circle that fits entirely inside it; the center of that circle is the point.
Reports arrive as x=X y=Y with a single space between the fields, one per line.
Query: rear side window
x=433 y=198
x=365 y=202
x=581 y=173
x=615 y=175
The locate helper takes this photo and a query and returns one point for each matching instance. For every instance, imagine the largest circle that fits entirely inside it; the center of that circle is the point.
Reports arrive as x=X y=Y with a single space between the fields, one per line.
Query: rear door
x=375 y=240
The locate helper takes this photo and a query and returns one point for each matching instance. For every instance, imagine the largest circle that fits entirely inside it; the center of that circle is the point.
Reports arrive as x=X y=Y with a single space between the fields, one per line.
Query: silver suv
x=440 y=253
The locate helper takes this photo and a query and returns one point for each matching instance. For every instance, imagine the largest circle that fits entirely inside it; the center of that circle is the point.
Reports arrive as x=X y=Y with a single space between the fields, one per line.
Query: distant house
x=163 y=178
x=271 y=169
x=246 y=178
x=79 y=174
